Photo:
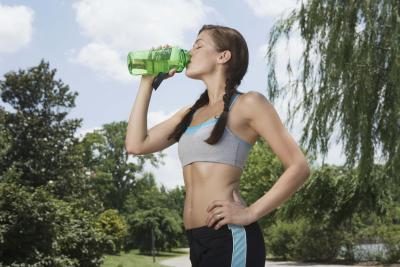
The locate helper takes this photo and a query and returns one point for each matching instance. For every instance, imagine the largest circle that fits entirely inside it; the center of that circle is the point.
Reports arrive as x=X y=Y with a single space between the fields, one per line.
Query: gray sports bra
x=230 y=149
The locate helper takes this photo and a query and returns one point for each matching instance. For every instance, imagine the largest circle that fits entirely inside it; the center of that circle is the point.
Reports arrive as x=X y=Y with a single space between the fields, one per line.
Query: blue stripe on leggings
x=239 y=245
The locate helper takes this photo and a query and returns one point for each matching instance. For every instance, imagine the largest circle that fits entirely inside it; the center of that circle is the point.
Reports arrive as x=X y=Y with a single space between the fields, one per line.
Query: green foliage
x=4 y=137
x=58 y=179
x=318 y=243
x=390 y=235
x=261 y=171
x=41 y=145
x=166 y=226
x=147 y=195
x=282 y=237
x=302 y=240
x=36 y=228
x=328 y=197
x=149 y=207
x=104 y=156
x=115 y=228
x=372 y=229
x=349 y=84
x=133 y=258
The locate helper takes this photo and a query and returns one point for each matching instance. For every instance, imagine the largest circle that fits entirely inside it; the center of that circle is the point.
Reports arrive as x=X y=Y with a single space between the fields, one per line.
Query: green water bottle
x=157 y=62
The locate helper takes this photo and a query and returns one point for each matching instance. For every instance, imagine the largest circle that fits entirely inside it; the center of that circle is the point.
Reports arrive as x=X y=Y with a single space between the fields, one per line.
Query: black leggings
x=229 y=246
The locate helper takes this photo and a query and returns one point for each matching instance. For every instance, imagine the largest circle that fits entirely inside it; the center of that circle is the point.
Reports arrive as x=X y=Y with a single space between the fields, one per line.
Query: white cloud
x=119 y=26
x=15 y=27
x=103 y=60
x=264 y=8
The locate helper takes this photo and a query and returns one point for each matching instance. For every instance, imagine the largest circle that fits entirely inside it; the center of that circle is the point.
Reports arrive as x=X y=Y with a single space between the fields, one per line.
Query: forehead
x=203 y=36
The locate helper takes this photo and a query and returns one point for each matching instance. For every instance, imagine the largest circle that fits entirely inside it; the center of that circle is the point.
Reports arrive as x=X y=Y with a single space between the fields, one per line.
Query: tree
x=261 y=171
x=37 y=229
x=47 y=211
x=148 y=207
x=40 y=140
x=113 y=174
x=325 y=198
x=165 y=224
x=349 y=79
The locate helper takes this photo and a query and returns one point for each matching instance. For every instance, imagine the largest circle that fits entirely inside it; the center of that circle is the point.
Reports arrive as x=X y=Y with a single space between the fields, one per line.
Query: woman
x=214 y=137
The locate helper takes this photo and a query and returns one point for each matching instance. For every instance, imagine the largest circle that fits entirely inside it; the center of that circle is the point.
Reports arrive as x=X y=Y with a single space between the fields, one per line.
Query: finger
x=172 y=72
x=215 y=203
x=215 y=218
x=212 y=221
x=213 y=214
x=220 y=224
x=210 y=217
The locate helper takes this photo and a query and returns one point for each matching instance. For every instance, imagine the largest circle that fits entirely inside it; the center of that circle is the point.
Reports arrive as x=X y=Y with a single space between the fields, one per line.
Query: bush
x=165 y=224
x=378 y=239
x=115 y=229
x=390 y=235
x=318 y=243
x=282 y=238
x=36 y=228
x=302 y=240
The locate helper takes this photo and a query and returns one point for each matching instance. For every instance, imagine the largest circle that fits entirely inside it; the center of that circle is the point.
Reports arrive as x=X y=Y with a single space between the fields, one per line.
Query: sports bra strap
x=233 y=100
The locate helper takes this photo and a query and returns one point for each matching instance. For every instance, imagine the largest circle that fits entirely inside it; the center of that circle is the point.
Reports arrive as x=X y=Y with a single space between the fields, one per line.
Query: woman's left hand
x=225 y=211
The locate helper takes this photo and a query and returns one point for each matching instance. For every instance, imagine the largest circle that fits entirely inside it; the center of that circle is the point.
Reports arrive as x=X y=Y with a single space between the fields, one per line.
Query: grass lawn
x=134 y=259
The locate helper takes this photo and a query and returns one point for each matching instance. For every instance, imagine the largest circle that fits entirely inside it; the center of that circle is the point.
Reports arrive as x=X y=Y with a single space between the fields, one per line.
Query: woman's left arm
x=264 y=119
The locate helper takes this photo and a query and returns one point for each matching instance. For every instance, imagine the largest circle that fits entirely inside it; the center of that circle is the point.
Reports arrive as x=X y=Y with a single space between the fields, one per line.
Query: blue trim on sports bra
x=193 y=129
x=214 y=119
x=211 y=121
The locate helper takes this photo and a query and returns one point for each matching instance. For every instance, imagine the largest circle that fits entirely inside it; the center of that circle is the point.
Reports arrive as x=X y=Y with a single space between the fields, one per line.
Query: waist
x=197 y=200
x=206 y=232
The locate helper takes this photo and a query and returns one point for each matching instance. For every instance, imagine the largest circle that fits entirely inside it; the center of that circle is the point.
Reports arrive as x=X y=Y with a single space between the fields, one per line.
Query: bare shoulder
x=251 y=97
x=253 y=103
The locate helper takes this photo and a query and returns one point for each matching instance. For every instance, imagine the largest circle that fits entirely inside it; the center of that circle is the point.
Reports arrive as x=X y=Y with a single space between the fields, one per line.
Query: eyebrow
x=198 y=40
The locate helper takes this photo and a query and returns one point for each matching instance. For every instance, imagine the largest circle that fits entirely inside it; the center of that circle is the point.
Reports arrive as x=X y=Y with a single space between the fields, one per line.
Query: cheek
x=202 y=63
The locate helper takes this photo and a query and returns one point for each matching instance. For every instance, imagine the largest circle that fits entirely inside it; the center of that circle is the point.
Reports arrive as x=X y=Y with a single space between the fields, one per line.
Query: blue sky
x=87 y=42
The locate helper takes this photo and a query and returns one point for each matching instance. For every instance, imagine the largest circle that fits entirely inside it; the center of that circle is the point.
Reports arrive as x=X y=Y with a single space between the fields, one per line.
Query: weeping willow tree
x=349 y=83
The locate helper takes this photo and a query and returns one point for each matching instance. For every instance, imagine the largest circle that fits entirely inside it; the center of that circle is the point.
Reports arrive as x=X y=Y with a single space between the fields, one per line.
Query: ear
x=224 y=57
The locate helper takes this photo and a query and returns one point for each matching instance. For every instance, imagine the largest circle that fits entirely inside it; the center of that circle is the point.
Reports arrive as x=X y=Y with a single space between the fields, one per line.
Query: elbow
x=132 y=150
x=304 y=169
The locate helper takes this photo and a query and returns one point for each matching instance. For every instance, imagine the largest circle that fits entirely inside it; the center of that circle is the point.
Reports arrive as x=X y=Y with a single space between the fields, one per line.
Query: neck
x=215 y=84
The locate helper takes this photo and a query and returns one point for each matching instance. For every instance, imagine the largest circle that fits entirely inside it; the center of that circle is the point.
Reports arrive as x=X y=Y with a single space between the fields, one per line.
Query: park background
x=87 y=43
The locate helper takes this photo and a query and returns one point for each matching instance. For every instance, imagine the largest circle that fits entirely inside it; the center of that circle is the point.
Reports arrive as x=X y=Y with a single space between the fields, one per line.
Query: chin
x=192 y=74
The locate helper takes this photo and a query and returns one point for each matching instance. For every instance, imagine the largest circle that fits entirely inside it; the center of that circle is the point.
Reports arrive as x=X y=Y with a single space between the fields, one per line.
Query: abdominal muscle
x=204 y=183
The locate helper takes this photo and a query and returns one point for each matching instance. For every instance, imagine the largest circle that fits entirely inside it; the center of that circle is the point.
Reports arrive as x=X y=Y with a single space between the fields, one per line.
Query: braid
x=219 y=128
x=187 y=119
x=223 y=38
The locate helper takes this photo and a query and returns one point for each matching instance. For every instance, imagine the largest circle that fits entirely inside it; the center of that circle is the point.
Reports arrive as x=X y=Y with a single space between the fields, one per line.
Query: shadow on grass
x=173 y=253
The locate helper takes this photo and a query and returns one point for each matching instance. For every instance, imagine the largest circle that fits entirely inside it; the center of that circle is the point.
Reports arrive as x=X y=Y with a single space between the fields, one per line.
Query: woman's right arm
x=138 y=140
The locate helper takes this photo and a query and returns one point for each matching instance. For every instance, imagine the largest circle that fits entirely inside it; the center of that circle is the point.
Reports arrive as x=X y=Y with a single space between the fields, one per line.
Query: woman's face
x=203 y=57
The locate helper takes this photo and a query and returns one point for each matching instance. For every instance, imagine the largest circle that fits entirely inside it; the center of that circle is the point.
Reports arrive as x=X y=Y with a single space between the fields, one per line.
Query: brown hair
x=225 y=38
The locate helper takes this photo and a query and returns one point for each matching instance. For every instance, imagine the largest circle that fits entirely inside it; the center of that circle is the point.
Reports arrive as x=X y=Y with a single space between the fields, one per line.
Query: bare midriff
x=204 y=183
